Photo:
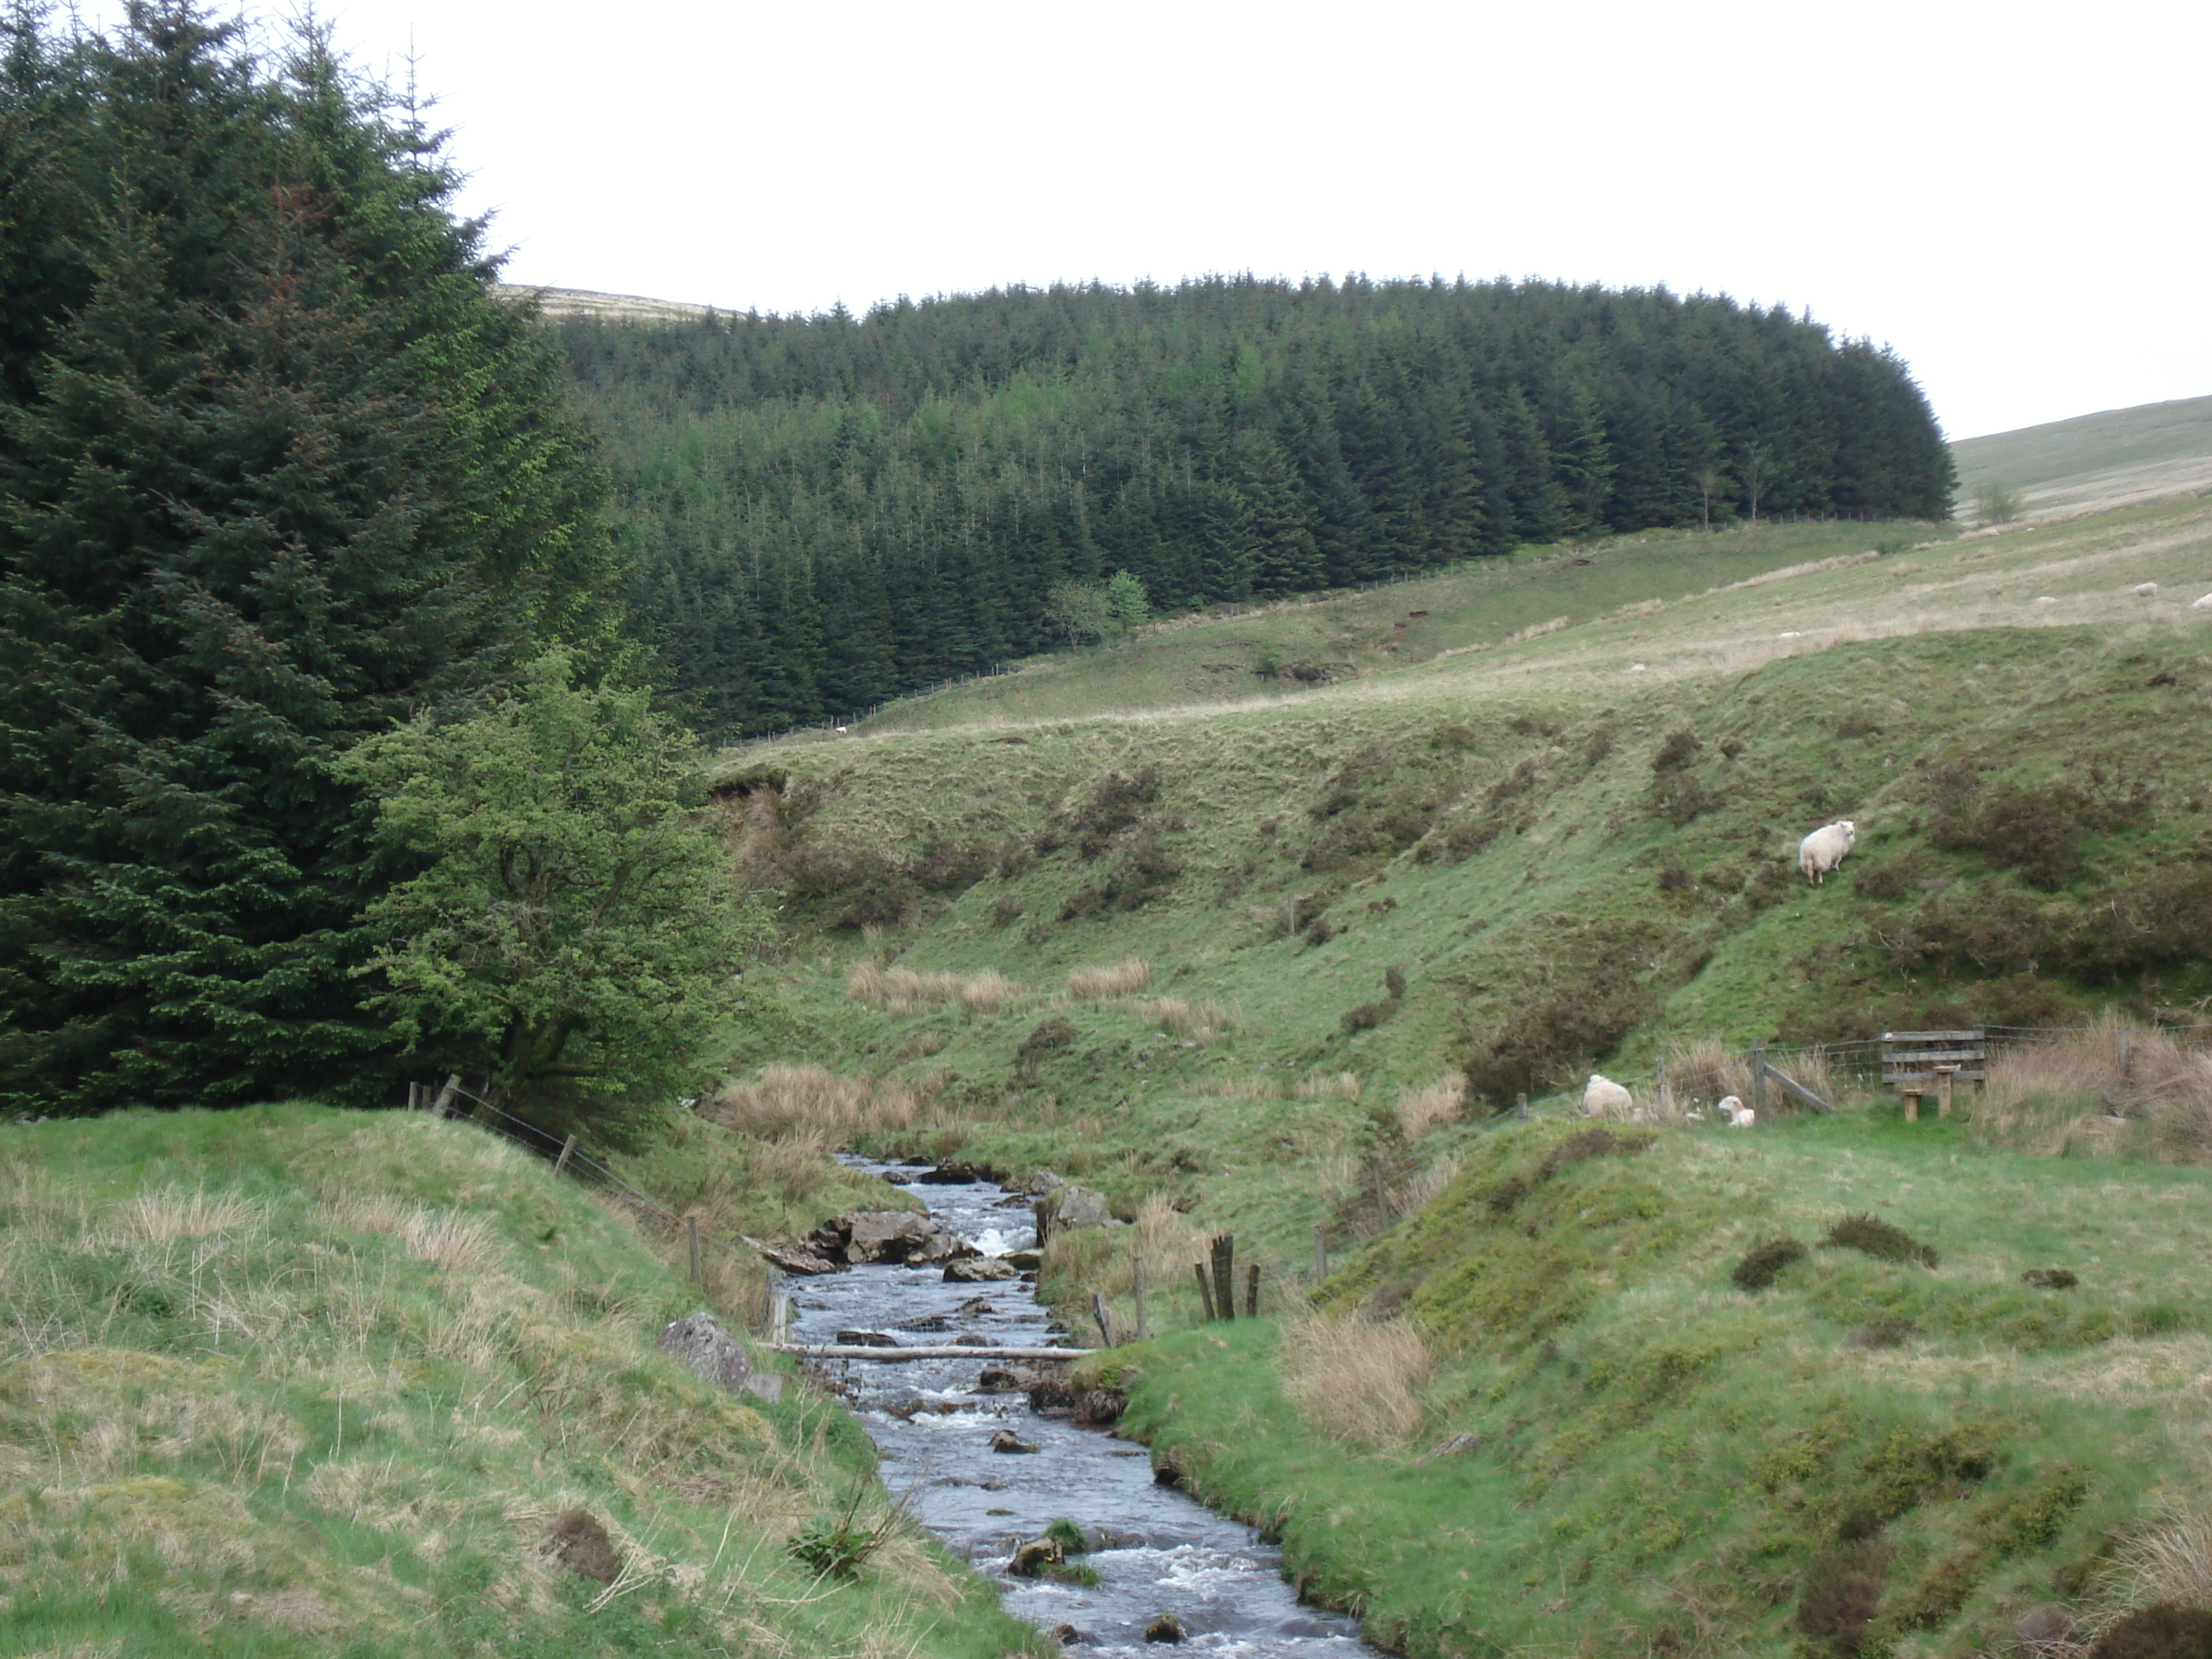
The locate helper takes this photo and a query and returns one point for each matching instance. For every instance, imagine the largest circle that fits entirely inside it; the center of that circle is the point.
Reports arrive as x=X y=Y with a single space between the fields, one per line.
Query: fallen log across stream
x=861 y=1350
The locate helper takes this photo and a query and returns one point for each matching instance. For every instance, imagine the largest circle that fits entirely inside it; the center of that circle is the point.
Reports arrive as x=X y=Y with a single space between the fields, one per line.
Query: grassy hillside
x=2094 y=462
x=1869 y=1455
x=1268 y=964
x=293 y=1381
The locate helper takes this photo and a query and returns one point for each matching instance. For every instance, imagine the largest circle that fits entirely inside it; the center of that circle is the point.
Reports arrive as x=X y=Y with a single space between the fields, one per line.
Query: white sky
x=2012 y=193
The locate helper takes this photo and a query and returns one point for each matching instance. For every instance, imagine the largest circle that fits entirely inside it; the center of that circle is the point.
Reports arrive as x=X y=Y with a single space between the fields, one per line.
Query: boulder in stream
x=1006 y=1440
x=1031 y=1559
x=1165 y=1628
x=890 y=1236
x=1100 y=1407
x=798 y=1259
x=859 y=1339
x=979 y=1270
x=1070 y=1206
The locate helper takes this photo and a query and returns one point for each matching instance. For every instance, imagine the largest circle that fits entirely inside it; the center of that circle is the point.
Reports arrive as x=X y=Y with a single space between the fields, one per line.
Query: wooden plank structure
x=853 y=1351
x=1916 y=1064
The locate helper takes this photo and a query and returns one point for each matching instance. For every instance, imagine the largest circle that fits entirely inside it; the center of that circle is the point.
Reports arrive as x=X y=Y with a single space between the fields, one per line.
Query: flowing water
x=1162 y=1553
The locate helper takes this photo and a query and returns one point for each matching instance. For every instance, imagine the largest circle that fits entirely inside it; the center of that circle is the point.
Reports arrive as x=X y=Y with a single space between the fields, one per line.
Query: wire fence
x=1278 y=1261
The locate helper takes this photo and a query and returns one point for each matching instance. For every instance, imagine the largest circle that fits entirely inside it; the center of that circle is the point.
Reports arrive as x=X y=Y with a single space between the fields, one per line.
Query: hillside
x=828 y=512
x=1268 y=961
x=2115 y=458
x=286 y=1380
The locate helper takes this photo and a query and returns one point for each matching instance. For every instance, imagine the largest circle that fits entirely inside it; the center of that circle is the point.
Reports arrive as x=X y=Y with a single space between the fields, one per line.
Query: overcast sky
x=2014 y=196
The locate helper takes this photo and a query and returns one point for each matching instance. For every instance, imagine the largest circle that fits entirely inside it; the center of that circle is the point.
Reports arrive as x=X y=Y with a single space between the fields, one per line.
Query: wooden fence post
x=1105 y=1323
x=414 y=1097
x=1142 y=1334
x=1320 y=1254
x=1659 y=1086
x=691 y=1224
x=1521 y=1106
x=443 y=1104
x=1225 y=1275
x=1252 y=1292
x=1205 y=1295
x=1758 y=1079
x=566 y=1148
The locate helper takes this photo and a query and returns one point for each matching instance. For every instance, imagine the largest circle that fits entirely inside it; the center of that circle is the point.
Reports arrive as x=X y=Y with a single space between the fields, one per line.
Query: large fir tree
x=276 y=468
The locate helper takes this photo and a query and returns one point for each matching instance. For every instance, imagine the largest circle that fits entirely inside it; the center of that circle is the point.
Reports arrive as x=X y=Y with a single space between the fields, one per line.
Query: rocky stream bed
x=989 y=1473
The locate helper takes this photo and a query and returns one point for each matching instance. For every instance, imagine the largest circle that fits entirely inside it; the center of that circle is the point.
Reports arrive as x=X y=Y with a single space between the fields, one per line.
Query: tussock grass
x=1335 y=1085
x=1115 y=979
x=1179 y=1019
x=2104 y=1090
x=787 y=1101
x=246 y=1412
x=903 y=991
x=1431 y=1106
x=1355 y=1381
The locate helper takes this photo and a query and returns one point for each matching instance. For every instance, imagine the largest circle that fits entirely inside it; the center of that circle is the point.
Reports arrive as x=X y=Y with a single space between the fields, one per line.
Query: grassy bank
x=286 y=1380
x=1868 y=1451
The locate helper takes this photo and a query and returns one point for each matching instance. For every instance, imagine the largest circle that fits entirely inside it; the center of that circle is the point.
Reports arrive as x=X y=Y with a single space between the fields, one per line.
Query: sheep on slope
x=1823 y=849
x=1606 y=1098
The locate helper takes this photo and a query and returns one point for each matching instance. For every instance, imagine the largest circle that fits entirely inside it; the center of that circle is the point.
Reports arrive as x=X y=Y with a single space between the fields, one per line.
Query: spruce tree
x=276 y=470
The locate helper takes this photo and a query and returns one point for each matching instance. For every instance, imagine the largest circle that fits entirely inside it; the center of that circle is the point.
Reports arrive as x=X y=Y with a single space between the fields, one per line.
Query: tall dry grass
x=1179 y=1019
x=1124 y=978
x=1355 y=1381
x=2108 y=1088
x=1342 y=1085
x=902 y=991
x=1702 y=1070
x=792 y=1101
x=1431 y=1106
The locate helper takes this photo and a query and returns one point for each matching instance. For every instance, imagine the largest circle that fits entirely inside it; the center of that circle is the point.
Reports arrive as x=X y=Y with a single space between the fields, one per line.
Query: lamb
x=1740 y=1117
x=2145 y=590
x=1823 y=849
x=1606 y=1098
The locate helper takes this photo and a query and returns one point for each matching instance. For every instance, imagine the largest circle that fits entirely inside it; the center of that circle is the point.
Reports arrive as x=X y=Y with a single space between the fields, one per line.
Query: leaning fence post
x=444 y=1102
x=1320 y=1254
x=1205 y=1294
x=1659 y=1084
x=691 y=1224
x=566 y=1148
x=1105 y=1321
x=1758 y=1079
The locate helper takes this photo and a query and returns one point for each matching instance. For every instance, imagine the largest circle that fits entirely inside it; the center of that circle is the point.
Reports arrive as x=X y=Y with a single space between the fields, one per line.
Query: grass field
x=293 y=1381
x=2092 y=463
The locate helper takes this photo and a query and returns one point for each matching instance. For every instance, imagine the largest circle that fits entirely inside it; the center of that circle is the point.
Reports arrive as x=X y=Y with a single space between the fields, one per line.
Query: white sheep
x=2204 y=604
x=1740 y=1117
x=1823 y=849
x=2145 y=590
x=1606 y=1098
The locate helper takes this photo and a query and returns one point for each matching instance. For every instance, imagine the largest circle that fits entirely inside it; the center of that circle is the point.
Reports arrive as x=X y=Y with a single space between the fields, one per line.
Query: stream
x=1162 y=1553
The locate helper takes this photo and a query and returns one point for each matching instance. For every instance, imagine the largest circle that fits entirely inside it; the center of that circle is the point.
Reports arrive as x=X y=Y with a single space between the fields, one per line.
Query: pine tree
x=277 y=470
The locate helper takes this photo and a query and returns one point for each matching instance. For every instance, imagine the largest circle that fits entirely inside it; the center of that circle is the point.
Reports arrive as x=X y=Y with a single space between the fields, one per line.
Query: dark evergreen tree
x=276 y=468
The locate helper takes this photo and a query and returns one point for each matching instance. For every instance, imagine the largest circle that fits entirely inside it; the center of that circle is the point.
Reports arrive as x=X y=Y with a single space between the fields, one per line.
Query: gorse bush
x=1764 y=1264
x=1871 y=1235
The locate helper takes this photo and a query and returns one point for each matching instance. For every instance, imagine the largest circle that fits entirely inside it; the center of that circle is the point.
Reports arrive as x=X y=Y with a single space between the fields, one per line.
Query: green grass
x=289 y=1380
x=2094 y=460
x=1664 y=1459
x=1563 y=879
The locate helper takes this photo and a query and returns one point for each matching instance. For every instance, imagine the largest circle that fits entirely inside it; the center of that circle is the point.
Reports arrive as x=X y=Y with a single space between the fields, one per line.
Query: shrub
x=944 y=867
x=2164 y=1630
x=1842 y=1594
x=1679 y=748
x=1052 y=1034
x=1869 y=1236
x=1114 y=806
x=1764 y=1263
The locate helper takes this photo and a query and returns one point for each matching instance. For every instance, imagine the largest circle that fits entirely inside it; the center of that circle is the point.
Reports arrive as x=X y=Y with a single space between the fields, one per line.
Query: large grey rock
x=701 y=1344
x=979 y=1270
x=1071 y=1205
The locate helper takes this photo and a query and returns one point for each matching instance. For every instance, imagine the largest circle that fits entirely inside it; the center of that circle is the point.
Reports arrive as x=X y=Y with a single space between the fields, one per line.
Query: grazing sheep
x=1606 y=1098
x=2204 y=604
x=1823 y=849
x=2145 y=590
